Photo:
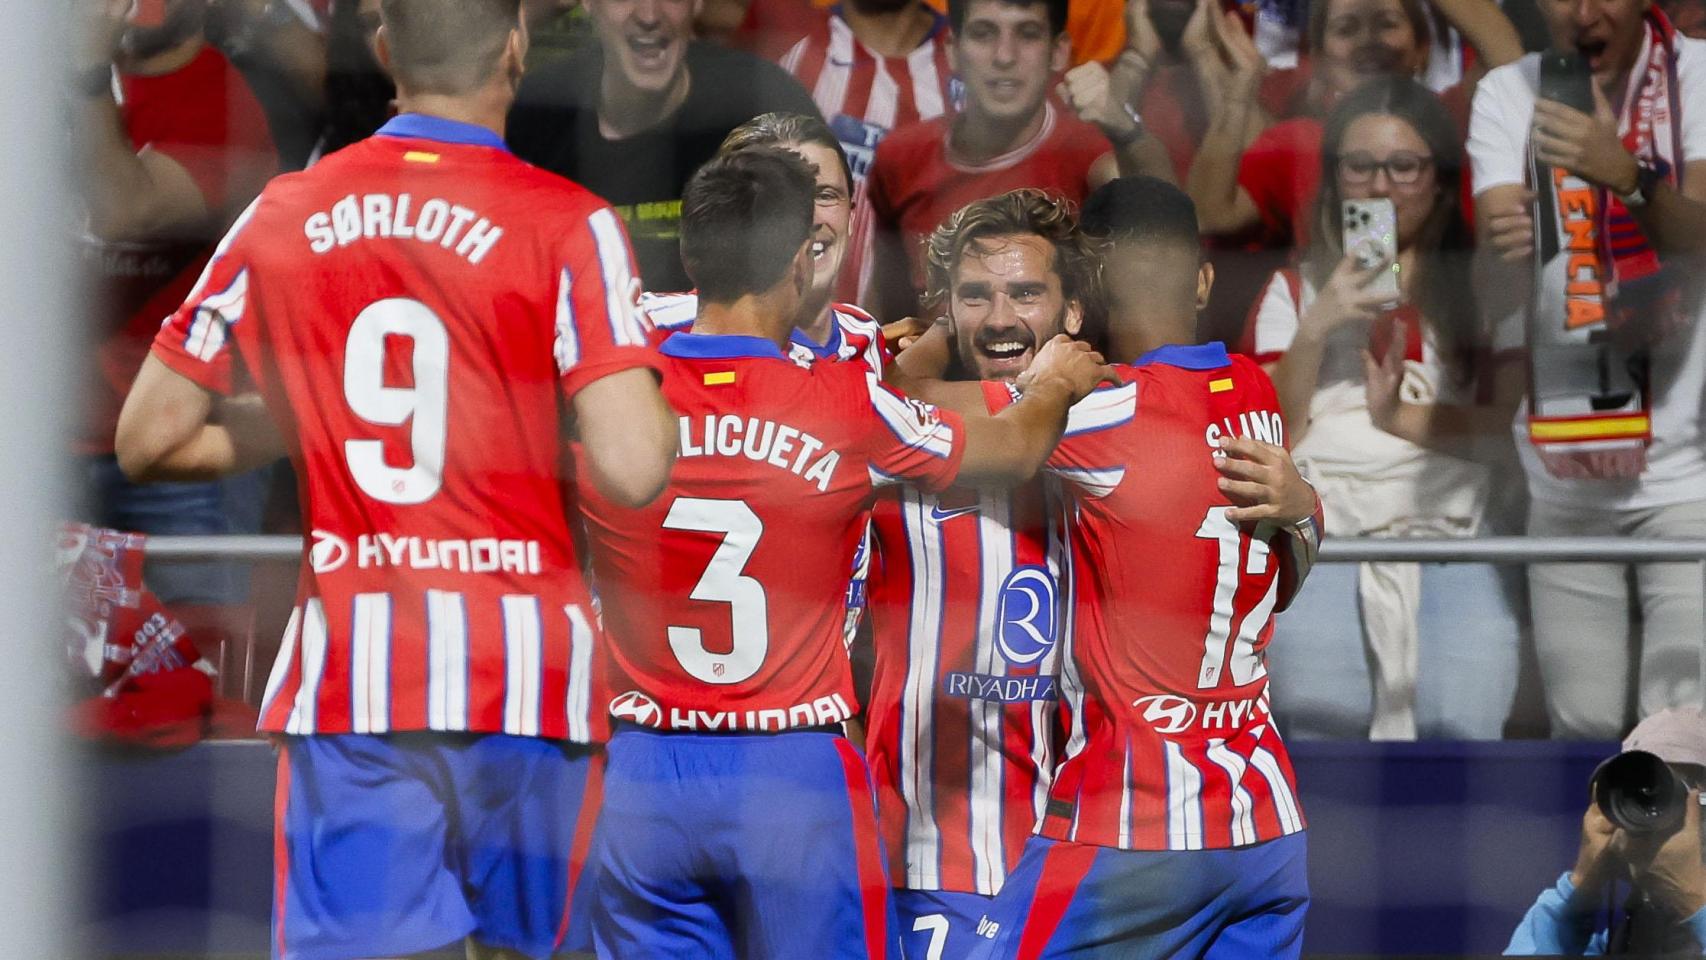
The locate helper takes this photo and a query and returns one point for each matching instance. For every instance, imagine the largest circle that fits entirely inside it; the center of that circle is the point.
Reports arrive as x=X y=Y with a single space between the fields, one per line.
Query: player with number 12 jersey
x=1174 y=773
x=419 y=312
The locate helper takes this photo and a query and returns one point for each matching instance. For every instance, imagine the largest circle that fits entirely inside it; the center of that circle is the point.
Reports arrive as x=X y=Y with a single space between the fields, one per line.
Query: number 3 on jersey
x=423 y=406
x=724 y=582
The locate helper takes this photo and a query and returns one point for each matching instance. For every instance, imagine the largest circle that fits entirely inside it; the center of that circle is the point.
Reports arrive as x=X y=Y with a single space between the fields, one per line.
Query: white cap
x=1677 y=735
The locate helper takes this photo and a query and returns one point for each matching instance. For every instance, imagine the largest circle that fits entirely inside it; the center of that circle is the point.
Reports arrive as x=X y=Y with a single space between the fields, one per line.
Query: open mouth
x=1593 y=51
x=819 y=248
x=1009 y=354
x=649 y=51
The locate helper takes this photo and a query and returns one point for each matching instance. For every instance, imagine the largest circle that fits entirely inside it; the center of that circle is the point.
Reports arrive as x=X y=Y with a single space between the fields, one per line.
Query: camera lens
x=1637 y=792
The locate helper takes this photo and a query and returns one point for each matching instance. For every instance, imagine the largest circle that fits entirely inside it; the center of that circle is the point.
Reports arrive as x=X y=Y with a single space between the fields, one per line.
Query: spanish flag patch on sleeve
x=721 y=378
x=1220 y=386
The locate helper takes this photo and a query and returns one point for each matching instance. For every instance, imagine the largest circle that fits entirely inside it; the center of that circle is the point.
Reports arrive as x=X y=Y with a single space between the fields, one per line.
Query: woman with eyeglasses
x=1439 y=640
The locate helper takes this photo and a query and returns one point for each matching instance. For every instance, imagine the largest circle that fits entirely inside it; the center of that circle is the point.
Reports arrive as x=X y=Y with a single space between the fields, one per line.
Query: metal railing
x=1501 y=550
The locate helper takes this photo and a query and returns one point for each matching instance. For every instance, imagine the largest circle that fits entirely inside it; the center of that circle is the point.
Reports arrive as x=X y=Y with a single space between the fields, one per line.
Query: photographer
x=1665 y=911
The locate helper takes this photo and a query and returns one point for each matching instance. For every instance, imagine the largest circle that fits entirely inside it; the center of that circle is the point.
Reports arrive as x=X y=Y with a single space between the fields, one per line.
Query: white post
x=38 y=876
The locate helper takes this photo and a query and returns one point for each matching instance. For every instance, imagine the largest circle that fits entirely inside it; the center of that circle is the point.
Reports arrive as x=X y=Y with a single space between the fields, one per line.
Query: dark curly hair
x=1028 y=211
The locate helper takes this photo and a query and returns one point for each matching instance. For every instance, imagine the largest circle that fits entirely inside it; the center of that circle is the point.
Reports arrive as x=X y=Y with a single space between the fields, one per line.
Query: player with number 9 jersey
x=419 y=311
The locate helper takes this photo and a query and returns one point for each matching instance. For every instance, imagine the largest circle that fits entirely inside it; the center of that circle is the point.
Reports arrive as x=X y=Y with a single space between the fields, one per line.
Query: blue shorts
x=938 y=924
x=740 y=845
x=1077 y=900
x=392 y=845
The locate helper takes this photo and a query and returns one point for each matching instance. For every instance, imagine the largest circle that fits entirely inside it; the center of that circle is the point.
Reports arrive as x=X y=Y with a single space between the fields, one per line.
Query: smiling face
x=1363 y=39
x=1005 y=53
x=1402 y=154
x=646 y=40
x=1607 y=33
x=832 y=213
x=1004 y=302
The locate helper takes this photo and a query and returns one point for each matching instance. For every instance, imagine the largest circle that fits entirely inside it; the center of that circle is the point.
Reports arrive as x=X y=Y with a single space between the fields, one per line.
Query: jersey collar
x=1207 y=356
x=822 y=351
x=420 y=126
x=715 y=346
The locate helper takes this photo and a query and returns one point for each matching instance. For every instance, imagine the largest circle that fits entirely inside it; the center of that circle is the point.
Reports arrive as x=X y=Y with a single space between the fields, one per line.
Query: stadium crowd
x=1270 y=114
x=1444 y=254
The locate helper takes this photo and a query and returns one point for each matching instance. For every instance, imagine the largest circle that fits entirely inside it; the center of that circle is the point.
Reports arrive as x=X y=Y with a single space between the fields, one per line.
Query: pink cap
x=1677 y=735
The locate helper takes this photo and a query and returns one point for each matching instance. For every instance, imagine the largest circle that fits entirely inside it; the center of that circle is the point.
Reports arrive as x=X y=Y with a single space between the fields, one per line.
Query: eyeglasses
x=1401 y=168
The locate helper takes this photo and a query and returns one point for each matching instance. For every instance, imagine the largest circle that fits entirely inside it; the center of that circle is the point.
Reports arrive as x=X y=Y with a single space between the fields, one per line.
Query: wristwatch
x=1126 y=140
x=1647 y=179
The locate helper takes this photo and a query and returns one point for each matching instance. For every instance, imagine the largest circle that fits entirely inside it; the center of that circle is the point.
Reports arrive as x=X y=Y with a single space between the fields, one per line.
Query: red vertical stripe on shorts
x=1063 y=871
x=873 y=885
x=592 y=800
x=280 y=849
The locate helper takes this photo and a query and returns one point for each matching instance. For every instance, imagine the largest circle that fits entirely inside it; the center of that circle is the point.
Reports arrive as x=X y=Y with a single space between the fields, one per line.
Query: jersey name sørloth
x=418 y=310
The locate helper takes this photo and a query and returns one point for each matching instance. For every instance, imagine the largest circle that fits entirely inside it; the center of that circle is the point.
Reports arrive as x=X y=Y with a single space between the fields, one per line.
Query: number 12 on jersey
x=1245 y=662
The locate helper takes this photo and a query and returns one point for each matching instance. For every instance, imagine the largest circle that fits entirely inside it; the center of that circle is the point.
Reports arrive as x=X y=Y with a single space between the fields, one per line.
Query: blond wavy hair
x=1077 y=258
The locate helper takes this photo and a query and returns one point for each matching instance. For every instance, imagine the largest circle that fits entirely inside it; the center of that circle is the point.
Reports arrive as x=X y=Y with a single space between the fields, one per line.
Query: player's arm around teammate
x=1013 y=445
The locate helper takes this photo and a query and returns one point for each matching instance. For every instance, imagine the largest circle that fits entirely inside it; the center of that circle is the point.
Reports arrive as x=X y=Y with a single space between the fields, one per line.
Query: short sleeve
x=1691 y=77
x=910 y=441
x=1499 y=119
x=1272 y=173
x=599 y=328
x=206 y=119
x=1089 y=454
x=1273 y=320
x=196 y=340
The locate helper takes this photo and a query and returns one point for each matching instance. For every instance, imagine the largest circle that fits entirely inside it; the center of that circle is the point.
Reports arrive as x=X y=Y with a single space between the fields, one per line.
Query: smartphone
x=1566 y=79
x=146 y=13
x=1371 y=236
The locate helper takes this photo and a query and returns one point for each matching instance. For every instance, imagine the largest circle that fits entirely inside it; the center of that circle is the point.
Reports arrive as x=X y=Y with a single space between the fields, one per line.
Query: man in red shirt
x=172 y=145
x=1172 y=822
x=1009 y=135
x=426 y=317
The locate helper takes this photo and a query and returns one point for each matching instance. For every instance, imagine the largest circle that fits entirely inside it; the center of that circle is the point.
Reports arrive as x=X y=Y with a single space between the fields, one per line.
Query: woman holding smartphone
x=1386 y=275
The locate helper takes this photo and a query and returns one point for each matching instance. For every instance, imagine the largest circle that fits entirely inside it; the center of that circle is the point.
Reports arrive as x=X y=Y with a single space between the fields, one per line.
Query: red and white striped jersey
x=962 y=731
x=863 y=95
x=724 y=598
x=1171 y=745
x=416 y=311
x=854 y=335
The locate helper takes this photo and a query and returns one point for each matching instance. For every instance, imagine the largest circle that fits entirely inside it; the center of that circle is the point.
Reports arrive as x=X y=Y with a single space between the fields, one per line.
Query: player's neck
x=977 y=138
x=754 y=315
x=625 y=110
x=164 y=62
x=1133 y=333
x=816 y=318
x=893 y=33
x=487 y=108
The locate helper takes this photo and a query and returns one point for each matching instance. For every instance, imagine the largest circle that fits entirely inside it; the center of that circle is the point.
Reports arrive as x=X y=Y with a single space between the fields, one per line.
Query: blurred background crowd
x=1411 y=411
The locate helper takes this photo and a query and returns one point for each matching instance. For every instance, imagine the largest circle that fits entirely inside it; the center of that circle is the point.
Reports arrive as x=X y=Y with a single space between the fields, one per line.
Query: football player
x=425 y=318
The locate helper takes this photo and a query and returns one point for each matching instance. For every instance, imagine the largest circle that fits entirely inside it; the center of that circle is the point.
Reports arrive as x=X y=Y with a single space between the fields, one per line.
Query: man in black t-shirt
x=633 y=116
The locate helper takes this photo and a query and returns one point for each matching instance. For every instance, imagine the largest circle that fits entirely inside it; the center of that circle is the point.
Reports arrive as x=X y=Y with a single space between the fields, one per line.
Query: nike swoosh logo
x=943 y=516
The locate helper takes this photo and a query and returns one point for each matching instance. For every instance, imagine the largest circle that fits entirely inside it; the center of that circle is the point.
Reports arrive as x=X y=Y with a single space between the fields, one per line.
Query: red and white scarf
x=1618 y=300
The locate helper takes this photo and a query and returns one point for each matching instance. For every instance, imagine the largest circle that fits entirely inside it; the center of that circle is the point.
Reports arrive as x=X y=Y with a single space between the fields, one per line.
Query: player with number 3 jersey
x=426 y=318
x=739 y=821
